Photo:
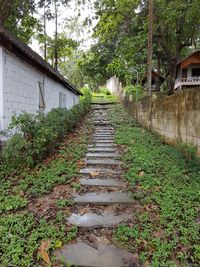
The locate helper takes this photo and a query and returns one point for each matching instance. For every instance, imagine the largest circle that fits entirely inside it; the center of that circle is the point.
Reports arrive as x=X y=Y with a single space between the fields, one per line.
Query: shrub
x=36 y=135
x=104 y=91
x=135 y=90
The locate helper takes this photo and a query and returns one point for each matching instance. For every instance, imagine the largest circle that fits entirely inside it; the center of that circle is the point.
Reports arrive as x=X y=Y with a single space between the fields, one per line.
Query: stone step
x=104 y=129
x=109 y=134
x=102 y=155
x=108 y=145
x=102 y=162
x=92 y=220
x=103 y=255
x=101 y=182
x=102 y=149
x=102 y=124
x=102 y=138
x=99 y=171
x=103 y=133
x=103 y=198
x=105 y=141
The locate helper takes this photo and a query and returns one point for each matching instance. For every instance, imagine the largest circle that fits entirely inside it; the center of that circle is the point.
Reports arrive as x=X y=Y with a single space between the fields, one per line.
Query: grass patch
x=103 y=97
x=167 y=187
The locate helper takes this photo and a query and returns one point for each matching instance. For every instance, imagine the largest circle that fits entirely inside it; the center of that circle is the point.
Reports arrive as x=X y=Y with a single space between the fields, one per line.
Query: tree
x=17 y=15
x=177 y=27
x=150 y=47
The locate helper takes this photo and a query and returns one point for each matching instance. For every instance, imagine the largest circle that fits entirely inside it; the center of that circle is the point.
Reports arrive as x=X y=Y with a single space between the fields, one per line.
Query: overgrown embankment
x=166 y=188
x=32 y=216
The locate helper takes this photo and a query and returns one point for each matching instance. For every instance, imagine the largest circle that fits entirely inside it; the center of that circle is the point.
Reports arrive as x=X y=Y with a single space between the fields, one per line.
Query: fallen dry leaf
x=80 y=163
x=94 y=174
x=42 y=251
x=141 y=173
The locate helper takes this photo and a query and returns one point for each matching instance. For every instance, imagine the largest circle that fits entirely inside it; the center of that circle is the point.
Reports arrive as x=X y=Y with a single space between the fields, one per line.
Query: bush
x=36 y=135
x=135 y=90
x=104 y=91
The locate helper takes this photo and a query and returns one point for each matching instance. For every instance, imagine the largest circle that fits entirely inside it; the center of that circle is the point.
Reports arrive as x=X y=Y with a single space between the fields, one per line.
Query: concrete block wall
x=114 y=85
x=1 y=87
x=20 y=89
x=176 y=117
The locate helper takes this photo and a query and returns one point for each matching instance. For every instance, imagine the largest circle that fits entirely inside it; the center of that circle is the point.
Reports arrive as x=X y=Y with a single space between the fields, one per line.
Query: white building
x=28 y=83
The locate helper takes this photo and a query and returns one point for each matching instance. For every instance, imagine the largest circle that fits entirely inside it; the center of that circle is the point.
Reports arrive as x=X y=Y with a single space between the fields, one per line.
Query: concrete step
x=100 y=171
x=106 y=145
x=105 y=220
x=101 y=182
x=102 y=149
x=102 y=255
x=102 y=155
x=102 y=162
x=103 y=198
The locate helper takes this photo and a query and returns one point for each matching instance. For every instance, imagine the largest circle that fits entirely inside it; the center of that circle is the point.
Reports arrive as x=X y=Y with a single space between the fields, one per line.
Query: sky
x=69 y=13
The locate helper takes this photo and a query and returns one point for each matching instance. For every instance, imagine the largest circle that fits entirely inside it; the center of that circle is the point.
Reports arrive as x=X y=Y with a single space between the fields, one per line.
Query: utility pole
x=150 y=47
x=56 y=35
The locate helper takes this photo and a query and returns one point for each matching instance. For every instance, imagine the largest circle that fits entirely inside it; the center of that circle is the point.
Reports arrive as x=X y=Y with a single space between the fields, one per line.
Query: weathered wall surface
x=114 y=85
x=176 y=118
x=20 y=89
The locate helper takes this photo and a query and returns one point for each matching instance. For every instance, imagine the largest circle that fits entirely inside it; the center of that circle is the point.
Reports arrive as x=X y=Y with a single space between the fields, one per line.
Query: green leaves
x=167 y=195
x=39 y=134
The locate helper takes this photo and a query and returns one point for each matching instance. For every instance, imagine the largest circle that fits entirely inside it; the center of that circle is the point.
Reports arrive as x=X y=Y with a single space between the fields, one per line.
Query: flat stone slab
x=99 y=171
x=103 y=198
x=100 y=149
x=103 y=162
x=81 y=254
x=102 y=155
x=103 y=135
x=101 y=182
x=108 y=145
x=101 y=141
x=91 y=220
x=104 y=129
x=107 y=141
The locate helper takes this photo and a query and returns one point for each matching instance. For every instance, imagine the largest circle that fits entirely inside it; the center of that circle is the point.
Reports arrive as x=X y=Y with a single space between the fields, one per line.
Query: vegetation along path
x=152 y=221
x=112 y=194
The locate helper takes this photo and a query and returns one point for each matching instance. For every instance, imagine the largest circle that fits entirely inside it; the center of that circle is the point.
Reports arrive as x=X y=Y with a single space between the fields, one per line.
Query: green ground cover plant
x=103 y=96
x=166 y=188
x=21 y=231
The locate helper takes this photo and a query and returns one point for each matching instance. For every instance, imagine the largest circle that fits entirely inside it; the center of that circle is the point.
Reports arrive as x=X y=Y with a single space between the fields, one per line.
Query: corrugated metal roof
x=16 y=46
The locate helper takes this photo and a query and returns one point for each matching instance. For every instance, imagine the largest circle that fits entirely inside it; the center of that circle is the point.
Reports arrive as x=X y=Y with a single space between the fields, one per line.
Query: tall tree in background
x=17 y=15
x=150 y=47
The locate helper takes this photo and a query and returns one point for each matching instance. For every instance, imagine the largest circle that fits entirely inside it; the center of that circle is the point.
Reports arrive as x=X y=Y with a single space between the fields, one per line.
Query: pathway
x=104 y=204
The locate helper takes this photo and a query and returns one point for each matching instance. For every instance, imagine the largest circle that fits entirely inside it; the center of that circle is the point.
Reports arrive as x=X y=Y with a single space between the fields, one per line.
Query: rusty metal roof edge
x=25 y=49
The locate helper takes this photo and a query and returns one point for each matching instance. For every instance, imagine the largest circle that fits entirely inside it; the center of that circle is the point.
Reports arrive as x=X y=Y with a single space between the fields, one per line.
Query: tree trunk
x=45 y=33
x=56 y=36
x=150 y=48
x=158 y=81
x=172 y=75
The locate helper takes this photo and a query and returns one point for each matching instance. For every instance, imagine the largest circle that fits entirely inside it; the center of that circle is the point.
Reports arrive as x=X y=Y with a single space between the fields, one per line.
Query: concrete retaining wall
x=176 y=118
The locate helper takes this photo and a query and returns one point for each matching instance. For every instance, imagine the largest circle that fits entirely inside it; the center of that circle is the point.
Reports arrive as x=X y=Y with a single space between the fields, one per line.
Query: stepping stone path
x=102 y=183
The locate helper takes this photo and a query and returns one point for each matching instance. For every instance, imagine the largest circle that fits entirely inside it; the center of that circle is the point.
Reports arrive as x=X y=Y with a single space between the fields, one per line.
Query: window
x=41 y=97
x=74 y=101
x=62 y=100
x=196 y=72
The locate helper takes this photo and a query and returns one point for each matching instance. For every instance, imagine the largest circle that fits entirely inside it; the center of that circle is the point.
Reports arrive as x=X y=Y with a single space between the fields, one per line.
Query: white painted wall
x=114 y=85
x=1 y=87
x=21 y=89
